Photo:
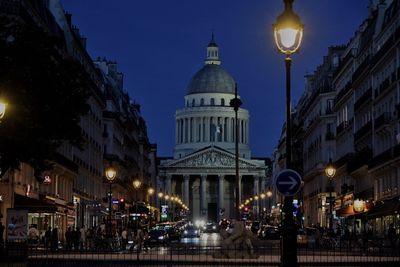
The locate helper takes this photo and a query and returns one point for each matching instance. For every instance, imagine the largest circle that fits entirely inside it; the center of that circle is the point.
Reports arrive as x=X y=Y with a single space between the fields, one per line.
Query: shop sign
x=17 y=224
x=47 y=180
x=348 y=199
x=359 y=205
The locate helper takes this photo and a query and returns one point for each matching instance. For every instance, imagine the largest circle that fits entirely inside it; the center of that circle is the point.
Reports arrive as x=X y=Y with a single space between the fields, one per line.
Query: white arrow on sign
x=292 y=182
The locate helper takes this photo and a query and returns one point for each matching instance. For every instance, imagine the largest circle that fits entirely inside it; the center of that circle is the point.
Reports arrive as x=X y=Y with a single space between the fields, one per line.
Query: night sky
x=159 y=45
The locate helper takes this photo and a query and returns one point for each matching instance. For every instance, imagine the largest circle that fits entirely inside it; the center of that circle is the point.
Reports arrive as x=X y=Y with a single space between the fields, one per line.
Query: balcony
x=381 y=158
x=383 y=87
x=363 y=131
x=343 y=160
x=342 y=93
x=341 y=127
x=363 y=66
x=329 y=136
x=359 y=159
x=367 y=96
x=382 y=121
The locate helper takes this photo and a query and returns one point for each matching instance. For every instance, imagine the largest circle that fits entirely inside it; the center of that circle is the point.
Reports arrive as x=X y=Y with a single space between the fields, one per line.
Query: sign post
x=288 y=182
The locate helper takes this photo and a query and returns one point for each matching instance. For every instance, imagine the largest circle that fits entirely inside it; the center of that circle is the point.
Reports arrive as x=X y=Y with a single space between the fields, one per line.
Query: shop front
x=383 y=214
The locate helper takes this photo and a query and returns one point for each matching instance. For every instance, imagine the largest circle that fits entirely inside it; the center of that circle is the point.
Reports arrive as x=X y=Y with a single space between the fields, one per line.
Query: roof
x=211 y=78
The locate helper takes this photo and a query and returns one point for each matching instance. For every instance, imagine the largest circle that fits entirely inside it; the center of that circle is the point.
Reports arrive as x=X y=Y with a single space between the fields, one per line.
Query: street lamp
x=236 y=103
x=111 y=173
x=136 y=184
x=330 y=172
x=3 y=107
x=288 y=33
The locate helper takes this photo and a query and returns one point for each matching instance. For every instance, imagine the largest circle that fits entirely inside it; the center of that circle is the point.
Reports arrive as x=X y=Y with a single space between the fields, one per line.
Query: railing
x=341 y=127
x=333 y=251
x=342 y=93
x=382 y=120
x=363 y=99
x=363 y=131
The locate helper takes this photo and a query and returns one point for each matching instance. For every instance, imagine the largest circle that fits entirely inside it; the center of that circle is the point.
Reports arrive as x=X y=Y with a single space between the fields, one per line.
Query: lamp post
x=288 y=33
x=136 y=184
x=150 y=192
x=330 y=172
x=236 y=103
x=111 y=173
x=3 y=108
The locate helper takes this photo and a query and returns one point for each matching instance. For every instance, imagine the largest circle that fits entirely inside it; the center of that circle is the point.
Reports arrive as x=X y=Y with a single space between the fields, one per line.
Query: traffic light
x=122 y=204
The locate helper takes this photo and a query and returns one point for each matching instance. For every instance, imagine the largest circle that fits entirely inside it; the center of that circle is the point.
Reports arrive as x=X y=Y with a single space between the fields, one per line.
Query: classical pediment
x=212 y=157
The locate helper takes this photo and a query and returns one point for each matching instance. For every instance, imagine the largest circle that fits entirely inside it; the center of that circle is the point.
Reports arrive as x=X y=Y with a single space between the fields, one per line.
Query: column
x=221 y=195
x=256 y=204
x=207 y=137
x=240 y=189
x=176 y=132
x=186 y=179
x=203 y=200
x=168 y=183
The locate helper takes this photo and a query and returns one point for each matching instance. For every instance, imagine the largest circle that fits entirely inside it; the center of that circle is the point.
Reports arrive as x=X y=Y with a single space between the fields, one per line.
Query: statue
x=236 y=244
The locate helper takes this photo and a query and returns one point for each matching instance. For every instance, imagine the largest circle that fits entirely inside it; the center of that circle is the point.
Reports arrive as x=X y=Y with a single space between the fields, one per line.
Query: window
x=193 y=102
x=212 y=102
x=202 y=102
x=222 y=102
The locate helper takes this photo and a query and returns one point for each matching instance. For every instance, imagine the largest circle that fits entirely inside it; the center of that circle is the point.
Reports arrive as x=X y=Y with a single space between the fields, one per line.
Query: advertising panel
x=17 y=224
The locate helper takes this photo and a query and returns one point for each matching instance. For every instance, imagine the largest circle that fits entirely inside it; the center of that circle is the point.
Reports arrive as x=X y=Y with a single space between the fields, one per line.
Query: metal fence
x=177 y=254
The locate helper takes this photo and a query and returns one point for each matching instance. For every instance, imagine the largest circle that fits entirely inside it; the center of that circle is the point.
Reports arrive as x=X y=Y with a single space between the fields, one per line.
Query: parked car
x=255 y=227
x=269 y=232
x=158 y=236
x=191 y=231
x=174 y=233
x=301 y=238
x=210 y=227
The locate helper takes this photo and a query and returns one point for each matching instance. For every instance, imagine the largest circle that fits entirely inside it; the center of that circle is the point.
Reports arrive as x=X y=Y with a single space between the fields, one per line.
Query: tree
x=46 y=92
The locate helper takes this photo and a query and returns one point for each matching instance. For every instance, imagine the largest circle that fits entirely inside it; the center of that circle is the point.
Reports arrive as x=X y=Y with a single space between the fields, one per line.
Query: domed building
x=202 y=170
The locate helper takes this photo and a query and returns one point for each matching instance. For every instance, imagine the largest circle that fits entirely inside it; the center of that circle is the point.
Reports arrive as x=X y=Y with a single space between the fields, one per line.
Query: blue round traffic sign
x=288 y=182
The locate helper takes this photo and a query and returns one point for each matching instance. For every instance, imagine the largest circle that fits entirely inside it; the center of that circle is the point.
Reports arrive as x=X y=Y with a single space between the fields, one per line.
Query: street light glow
x=3 y=107
x=110 y=174
x=136 y=183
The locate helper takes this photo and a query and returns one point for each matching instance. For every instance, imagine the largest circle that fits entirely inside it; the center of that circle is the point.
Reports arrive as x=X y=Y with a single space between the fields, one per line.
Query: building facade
x=202 y=170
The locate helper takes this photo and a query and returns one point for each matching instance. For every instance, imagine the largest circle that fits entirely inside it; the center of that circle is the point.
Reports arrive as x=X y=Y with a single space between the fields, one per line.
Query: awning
x=385 y=208
x=349 y=211
x=33 y=205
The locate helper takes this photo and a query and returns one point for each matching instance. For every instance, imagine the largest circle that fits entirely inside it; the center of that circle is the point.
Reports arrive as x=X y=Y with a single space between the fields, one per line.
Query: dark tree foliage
x=46 y=93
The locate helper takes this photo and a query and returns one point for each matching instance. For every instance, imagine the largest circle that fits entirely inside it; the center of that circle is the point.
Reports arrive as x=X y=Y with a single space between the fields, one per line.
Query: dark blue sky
x=159 y=45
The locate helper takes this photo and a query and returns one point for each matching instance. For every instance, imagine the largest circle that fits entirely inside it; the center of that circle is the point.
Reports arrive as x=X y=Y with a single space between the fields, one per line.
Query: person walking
x=82 y=238
x=139 y=239
x=124 y=236
x=47 y=238
x=2 y=227
x=54 y=239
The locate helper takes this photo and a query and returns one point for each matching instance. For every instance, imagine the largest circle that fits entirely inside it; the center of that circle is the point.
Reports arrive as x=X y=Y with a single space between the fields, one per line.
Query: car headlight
x=161 y=237
x=214 y=227
x=185 y=232
x=195 y=232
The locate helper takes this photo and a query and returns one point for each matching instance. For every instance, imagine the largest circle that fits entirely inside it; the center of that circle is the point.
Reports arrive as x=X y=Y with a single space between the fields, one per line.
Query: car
x=174 y=233
x=158 y=236
x=191 y=231
x=210 y=227
x=269 y=232
x=255 y=227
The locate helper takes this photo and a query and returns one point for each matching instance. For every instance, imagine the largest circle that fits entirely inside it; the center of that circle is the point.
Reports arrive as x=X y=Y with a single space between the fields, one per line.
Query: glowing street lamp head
x=111 y=173
x=160 y=194
x=3 y=107
x=269 y=194
x=136 y=183
x=288 y=30
x=166 y=197
x=150 y=191
x=330 y=169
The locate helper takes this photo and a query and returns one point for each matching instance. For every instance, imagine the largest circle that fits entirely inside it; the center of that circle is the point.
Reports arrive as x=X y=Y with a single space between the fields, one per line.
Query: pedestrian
x=124 y=236
x=76 y=237
x=54 y=239
x=392 y=237
x=89 y=238
x=2 y=227
x=139 y=239
x=82 y=238
x=47 y=237
x=68 y=238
